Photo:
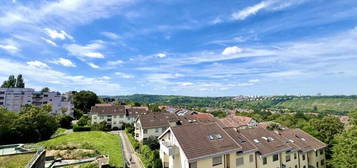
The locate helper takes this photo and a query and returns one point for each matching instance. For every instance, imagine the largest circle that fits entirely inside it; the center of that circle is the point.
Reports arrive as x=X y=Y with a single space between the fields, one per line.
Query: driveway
x=129 y=151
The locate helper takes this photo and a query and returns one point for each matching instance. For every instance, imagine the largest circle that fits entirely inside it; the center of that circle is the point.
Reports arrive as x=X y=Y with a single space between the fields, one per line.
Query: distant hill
x=328 y=104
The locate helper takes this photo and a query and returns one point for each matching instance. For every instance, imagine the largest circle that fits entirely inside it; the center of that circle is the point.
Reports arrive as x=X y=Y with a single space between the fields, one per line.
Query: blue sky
x=197 y=48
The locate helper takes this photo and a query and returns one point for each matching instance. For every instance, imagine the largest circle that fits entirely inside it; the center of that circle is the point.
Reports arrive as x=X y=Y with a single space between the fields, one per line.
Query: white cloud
x=254 y=81
x=46 y=76
x=49 y=41
x=65 y=62
x=93 y=65
x=111 y=35
x=54 y=34
x=186 y=84
x=63 y=12
x=37 y=64
x=216 y=20
x=231 y=50
x=251 y=10
x=271 y=5
x=114 y=63
x=124 y=75
x=86 y=51
x=9 y=48
x=161 y=55
x=282 y=74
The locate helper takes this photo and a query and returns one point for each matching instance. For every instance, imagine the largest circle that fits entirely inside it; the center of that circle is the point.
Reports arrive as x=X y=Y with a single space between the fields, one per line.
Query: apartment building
x=212 y=145
x=14 y=98
x=58 y=102
x=115 y=115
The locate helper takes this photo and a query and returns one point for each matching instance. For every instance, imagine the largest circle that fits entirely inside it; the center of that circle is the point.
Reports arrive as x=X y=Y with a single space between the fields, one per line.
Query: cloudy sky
x=195 y=47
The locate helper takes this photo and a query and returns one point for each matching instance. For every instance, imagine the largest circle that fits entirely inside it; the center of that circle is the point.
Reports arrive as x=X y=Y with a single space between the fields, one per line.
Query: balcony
x=168 y=148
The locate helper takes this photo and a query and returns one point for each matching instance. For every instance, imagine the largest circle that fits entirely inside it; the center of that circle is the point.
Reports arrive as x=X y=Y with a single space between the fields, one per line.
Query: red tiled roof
x=235 y=121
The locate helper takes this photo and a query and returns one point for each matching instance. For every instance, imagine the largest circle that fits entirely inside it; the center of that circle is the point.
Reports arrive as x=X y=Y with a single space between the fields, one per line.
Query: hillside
x=321 y=104
x=327 y=104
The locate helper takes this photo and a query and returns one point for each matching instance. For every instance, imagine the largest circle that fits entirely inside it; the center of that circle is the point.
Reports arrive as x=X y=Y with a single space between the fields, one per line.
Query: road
x=129 y=151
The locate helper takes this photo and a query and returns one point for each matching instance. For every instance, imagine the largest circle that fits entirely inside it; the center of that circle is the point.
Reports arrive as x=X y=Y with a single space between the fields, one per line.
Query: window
x=264 y=160
x=287 y=157
x=294 y=155
x=156 y=130
x=145 y=131
x=304 y=167
x=321 y=152
x=193 y=165
x=316 y=153
x=295 y=166
x=216 y=161
x=303 y=156
x=317 y=164
x=239 y=161
x=251 y=158
x=322 y=162
x=275 y=157
x=1 y=98
x=164 y=129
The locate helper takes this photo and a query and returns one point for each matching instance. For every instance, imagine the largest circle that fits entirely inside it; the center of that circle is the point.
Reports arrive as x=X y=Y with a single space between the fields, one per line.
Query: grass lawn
x=15 y=161
x=102 y=142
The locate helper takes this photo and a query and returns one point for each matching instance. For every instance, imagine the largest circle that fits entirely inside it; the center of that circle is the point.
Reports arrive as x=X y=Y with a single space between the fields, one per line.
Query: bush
x=84 y=120
x=65 y=121
x=102 y=126
x=78 y=128
x=152 y=142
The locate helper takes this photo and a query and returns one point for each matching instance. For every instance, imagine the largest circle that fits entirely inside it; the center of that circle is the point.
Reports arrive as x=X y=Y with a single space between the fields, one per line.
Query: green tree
x=327 y=128
x=45 y=89
x=152 y=142
x=20 y=82
x=65 y=121
x=35 y=124
x=77 y=114
x=84 y=100
x=10 y=83
x=83 y=121
x=345 y=149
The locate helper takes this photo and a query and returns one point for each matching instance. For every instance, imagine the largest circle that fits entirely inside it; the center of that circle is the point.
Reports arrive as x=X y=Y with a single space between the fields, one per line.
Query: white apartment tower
x=14 y=98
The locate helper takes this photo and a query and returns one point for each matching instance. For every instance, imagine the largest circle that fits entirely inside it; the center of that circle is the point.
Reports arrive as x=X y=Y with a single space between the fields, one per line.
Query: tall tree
x=20 y=82
x=10 y=83
x=84 y=100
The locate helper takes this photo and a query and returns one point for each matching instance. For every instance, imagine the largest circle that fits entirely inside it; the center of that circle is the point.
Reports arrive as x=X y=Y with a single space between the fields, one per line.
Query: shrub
x=65 y=121
x=78 y=128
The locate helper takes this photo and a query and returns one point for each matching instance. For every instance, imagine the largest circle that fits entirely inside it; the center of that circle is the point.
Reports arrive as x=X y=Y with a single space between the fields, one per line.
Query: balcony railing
x=168 y=148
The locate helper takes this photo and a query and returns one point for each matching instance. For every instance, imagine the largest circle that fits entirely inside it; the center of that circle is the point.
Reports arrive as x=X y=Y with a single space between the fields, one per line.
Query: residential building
x=115 y=115
x=14 y=98
x=58 y=102
x=213 y=145
x=154 y=124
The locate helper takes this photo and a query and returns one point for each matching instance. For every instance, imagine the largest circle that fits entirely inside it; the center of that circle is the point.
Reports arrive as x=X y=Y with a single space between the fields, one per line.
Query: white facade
x=14 y=98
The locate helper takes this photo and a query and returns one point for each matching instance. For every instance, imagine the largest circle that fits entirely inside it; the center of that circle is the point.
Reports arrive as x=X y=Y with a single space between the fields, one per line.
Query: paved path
x=129 y=151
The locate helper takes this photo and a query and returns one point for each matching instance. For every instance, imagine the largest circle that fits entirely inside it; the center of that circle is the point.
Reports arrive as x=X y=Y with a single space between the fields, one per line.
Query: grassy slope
x=104 y=143
x=15 y=161
x=322 y=104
